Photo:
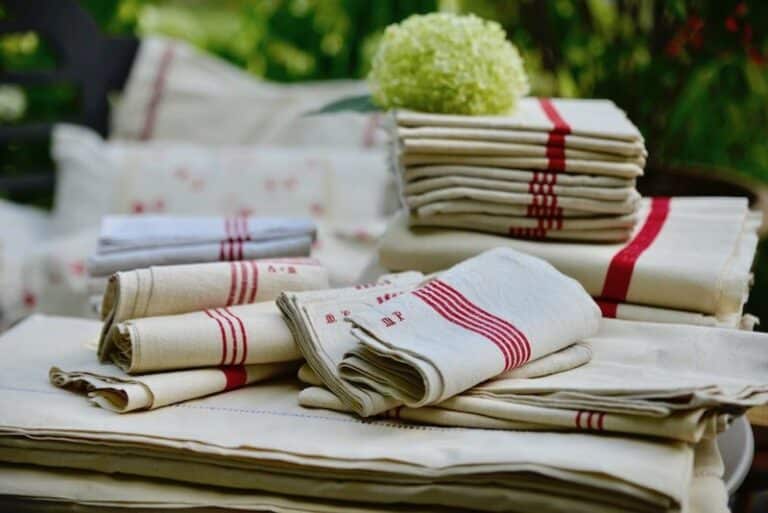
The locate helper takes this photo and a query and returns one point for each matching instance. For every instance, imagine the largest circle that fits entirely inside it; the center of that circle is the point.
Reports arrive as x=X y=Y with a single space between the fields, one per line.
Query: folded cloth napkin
x=448 y=181
x=583 y=117
x=593 y=229
x=641 y=379
x=575 y=166
x=315 y=320
x=169 y=290
x=133 y=232
x=259 y=438
x=123 y=394
x=469 y=206
x=238 y=335
x=112 y=261
x=617 y=207
x=691 y=254
x=485 y=316
x=533 y=178
x=527 y=137
x=445 y=147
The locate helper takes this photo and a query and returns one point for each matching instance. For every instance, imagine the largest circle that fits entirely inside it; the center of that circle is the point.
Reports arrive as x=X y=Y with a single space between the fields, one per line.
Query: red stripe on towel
x=243 y=334
x=232 y=283
x=556 y=139
x=243 y=282
x=607 y=308
x=559 y=124
x=450 y=315
x=600 y=419
x=513 y=342
x=516 y=336
x=232 y=331
x=619 y=274
x=235 y=375
x=157 y=93
x=255 y=283
x=223 y=336
x=577 y=420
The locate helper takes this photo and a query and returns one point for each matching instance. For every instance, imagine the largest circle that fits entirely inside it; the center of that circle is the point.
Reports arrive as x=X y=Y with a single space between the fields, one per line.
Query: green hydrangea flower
x=446 y=63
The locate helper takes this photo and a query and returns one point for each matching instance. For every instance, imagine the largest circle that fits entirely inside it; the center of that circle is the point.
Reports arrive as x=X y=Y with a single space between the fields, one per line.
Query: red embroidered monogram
x=456 y=308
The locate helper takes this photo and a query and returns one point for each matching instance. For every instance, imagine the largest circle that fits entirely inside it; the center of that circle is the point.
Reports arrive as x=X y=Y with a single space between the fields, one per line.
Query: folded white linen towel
x=485 y=316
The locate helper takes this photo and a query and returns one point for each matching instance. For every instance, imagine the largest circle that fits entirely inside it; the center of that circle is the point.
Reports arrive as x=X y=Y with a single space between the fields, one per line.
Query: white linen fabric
x=484 y=316
x=413 y=174
x=698 y=261
x=278 y=447
x=177 y=92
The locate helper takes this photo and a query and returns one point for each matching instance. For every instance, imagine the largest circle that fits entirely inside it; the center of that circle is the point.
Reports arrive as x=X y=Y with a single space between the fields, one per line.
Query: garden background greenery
x=693 y=75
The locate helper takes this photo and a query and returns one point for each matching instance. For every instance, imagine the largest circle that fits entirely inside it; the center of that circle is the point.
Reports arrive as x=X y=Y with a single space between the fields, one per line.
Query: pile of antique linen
x=416 y=348
x=679 y=260
x=556 y=169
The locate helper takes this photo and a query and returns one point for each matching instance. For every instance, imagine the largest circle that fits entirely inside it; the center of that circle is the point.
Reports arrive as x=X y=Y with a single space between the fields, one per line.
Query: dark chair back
x=93 y=63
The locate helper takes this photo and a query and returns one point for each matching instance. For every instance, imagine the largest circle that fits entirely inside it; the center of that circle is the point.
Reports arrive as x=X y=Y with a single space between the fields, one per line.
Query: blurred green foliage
x=692 y=74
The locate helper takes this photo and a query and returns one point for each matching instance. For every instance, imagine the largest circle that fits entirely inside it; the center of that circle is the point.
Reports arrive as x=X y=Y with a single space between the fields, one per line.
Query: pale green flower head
x=447 y=63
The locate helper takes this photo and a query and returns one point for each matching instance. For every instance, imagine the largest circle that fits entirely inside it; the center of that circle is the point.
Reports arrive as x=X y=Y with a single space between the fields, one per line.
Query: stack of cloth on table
x=255 y=447
x=131 y=242
x=187 y=331
x=556 y=169
x=550 y=368
x=688 y=260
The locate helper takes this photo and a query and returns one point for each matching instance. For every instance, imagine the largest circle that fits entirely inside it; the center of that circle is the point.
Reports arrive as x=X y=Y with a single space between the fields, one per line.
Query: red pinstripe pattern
x=157 y=93
x=223 y=336
x=243 y=335
x=527 y=233
x=255 y=282
x=243 y=282
x=232 y=283
x=456 y=308
x=556 y=139
x=232 y=331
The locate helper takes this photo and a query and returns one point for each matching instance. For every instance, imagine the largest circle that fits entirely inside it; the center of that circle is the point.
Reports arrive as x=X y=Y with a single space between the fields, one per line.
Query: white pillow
x=21 y=229
x=176 y=92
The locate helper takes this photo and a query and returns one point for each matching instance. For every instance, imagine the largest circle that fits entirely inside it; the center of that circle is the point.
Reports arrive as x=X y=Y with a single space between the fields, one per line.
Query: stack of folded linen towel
x=130 y=242
x=556 y=169
x=256 y=446
x=198 y=329
x=538 y=361
x=688 y=260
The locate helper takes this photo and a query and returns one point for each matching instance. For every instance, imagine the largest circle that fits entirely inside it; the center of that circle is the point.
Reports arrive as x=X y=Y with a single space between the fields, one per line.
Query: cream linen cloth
x=257 y=437
x=632 y=312
x=627 y=205
x=238 y=335
x=104 y=492
x=448 y=181
x=698 y=259
x=121 y=232
x=169 y=290
x=626 y=170
x=516 y=175
x=526 y=137
x=445 y=147
x=671 y=381
x=501 y=209
x=584 y=117
x=105 y=264
x=594 y=229
x=485 y=316
x=123 y=394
